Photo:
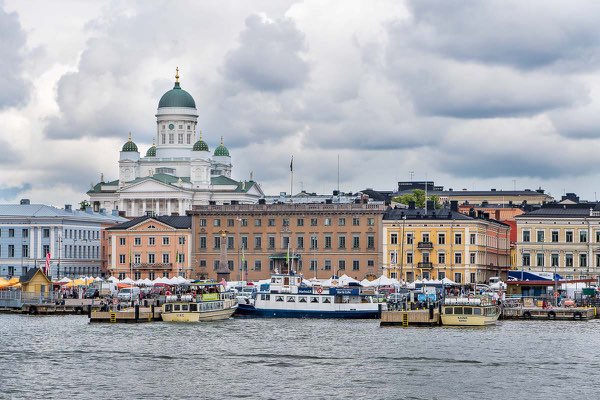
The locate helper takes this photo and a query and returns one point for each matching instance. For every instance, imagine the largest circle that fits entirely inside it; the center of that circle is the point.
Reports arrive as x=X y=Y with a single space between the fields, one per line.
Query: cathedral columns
x=144 y=207
x=168 y=201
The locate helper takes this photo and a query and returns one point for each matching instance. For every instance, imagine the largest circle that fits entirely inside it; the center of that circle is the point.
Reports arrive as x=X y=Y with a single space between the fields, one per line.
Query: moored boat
x=206 y=302
x=470 y=311
x=287 y=297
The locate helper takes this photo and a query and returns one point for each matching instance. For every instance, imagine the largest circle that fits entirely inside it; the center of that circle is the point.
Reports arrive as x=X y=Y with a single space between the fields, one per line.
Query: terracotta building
x=150 y=247
x=317 y=240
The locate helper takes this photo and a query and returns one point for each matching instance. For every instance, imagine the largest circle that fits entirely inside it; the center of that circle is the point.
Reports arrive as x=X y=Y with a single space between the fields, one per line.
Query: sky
x=470 y=94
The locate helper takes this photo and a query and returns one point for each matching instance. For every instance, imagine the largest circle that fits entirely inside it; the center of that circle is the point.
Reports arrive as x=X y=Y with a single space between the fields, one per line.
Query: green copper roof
x=200 y=145
x=221 y=150
x=177 y=97
x=129 y=145
x=151 y=151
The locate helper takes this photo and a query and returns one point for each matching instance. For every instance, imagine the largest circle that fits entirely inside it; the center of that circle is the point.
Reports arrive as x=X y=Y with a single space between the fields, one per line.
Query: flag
x=292 y=164
x=287 y=256
x=177 y=256
x=47 y=265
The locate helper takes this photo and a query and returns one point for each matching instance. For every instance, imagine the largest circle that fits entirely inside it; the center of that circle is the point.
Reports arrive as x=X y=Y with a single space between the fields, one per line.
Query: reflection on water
x=62 y=357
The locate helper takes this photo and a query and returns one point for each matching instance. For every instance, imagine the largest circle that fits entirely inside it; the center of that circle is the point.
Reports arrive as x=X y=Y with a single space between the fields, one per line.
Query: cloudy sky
x=470 y=94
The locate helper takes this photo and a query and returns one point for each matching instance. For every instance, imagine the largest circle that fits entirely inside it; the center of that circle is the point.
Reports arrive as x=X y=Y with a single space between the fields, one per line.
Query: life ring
x=551 y=315
x=526 y=315
x=167 y=293
x=577 y=315
x=319 y=290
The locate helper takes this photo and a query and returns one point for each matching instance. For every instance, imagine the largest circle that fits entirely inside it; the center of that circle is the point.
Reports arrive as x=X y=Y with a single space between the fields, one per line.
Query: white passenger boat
x=286 y=297
x=470 y=311
x=205 y=302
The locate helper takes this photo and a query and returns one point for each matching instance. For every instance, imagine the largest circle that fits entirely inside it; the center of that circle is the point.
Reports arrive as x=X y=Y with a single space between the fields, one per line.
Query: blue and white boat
x=287 y=297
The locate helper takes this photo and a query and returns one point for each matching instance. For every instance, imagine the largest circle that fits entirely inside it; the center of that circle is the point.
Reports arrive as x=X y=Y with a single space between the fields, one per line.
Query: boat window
x=168 y=307
x=468 y=311
x=268 y=297
x=314 y=299
x=184 y=307
x=448 y=310
x=176 y=307
x=193 y=307
x=291 y=299
x=326 y=300
x=286 y=281
x=477 y=311
x=302 y=300
x=458 y=310
x=278 y=298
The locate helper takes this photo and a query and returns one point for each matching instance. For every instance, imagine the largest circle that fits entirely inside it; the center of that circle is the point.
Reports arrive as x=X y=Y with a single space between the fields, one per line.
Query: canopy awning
x=284 y=256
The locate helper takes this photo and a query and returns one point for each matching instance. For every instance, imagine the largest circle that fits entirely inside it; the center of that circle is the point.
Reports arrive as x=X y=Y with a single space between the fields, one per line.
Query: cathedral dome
x=177 y=97
x=221 y=150
x=200 y=145
x=151 y=151
x=129 y=145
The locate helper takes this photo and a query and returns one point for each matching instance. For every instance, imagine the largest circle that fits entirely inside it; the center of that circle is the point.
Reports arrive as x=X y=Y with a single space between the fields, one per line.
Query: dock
x=134 y=315
x=408 y=318
x=555 y=313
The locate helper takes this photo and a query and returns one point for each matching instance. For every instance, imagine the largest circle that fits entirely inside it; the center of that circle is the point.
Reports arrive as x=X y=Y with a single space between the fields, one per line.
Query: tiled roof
x=175 y=221
x=562 y=211
x=419 y=213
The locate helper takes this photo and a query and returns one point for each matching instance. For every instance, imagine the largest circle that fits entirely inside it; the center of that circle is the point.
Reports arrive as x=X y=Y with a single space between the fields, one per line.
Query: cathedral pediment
x=149 y=185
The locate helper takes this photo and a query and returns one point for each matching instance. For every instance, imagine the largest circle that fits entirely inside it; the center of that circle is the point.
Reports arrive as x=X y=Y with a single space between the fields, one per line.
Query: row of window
x=137 y=241
x=171 y=136
x=441 y=238
x=64 y=271
x=458 y=258
x=80 y=234
x=554 y=236
x=285 y=242
x=70 y=251
x=286 y=222
x=151 y=275
x=151 y=258
x=555 y=260
x=314 y=265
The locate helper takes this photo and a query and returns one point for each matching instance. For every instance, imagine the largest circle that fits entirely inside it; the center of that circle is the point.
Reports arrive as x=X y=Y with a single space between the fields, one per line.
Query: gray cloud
x=525 y=35
x=578 y=122
x=11 y=192
x=14 y=89
x=268 y=57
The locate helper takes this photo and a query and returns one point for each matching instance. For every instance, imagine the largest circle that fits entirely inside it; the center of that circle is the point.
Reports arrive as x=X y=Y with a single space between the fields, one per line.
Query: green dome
x=129 y=145
x=177 y=97
x=221 y=150
x=200 y=145
x=151 y=151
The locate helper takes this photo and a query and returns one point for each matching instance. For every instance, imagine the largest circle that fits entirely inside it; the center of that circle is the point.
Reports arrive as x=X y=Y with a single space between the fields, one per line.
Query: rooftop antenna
x=338 y=175
x=426 y=193
x=412 y=173
x=177 y=74
x=514 y=185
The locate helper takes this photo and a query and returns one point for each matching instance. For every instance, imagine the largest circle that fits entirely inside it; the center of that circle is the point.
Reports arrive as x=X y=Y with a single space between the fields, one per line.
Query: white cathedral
x=177 y=171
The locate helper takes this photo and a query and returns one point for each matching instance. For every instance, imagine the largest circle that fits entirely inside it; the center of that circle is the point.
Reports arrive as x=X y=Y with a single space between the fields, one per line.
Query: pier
x=428 y=317
x=134 y=315
x=558 y=313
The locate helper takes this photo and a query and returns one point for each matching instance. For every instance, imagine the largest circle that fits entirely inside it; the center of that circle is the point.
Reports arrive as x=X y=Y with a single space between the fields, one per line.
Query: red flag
x=47 y=266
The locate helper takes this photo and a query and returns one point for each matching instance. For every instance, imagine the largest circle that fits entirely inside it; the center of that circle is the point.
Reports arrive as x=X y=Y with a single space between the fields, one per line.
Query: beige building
x=560 y=238
x=323 y=239
x=444 y=243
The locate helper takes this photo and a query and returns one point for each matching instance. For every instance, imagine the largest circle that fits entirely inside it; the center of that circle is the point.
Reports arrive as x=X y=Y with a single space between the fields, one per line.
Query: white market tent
x=113 y=279
x=98 y=279
x=382 y=281
x=64 y=280
x=128 y=281
x=365 y=282
x=449 y=282
x=162 y=279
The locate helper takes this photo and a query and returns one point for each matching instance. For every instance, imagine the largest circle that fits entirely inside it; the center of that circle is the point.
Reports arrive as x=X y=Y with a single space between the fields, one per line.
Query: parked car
x=129 y=293
x=91 y=293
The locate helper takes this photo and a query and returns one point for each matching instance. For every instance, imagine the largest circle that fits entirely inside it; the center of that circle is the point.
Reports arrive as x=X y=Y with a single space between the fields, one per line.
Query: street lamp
x=402 y=250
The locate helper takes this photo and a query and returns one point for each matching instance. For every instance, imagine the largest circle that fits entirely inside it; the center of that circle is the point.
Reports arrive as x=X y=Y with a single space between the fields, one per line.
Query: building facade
x=444 y=243
x=560 y=238
x=177 y=172
x=29 y=232
x=150 y=247
x=317 y=240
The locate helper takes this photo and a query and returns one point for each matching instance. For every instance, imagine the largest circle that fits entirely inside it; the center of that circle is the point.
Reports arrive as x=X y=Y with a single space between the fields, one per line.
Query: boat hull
x=214 y=315
x=247 y=310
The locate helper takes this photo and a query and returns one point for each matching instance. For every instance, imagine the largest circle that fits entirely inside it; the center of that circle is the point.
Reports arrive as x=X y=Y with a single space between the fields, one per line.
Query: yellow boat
x=211 y=303
x=470 y=311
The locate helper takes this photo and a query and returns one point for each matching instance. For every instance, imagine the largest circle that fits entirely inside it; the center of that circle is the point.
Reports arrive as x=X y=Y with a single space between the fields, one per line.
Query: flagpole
x=291 y=178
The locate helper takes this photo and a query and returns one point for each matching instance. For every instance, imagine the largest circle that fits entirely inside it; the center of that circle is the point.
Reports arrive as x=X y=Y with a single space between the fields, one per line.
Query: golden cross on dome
x=221 y=139
x=176 y=74
x=130 y=136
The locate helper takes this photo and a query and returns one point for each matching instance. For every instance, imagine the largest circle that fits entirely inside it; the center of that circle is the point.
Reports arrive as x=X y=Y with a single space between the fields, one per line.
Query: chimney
x=411 y=205
x=486 y=215
x=454 y=205
x=262 y=201
x=68 y=208
x=472 y=212
x=430 y=205
x=25 y=202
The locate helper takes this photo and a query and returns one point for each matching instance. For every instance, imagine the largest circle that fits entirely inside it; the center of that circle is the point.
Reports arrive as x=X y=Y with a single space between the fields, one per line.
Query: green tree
x=83 y=204
x=418 y=196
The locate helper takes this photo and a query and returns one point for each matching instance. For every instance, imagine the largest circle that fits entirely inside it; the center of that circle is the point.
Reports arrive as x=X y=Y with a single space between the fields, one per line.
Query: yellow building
x=444 y=243
x=35 y=283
